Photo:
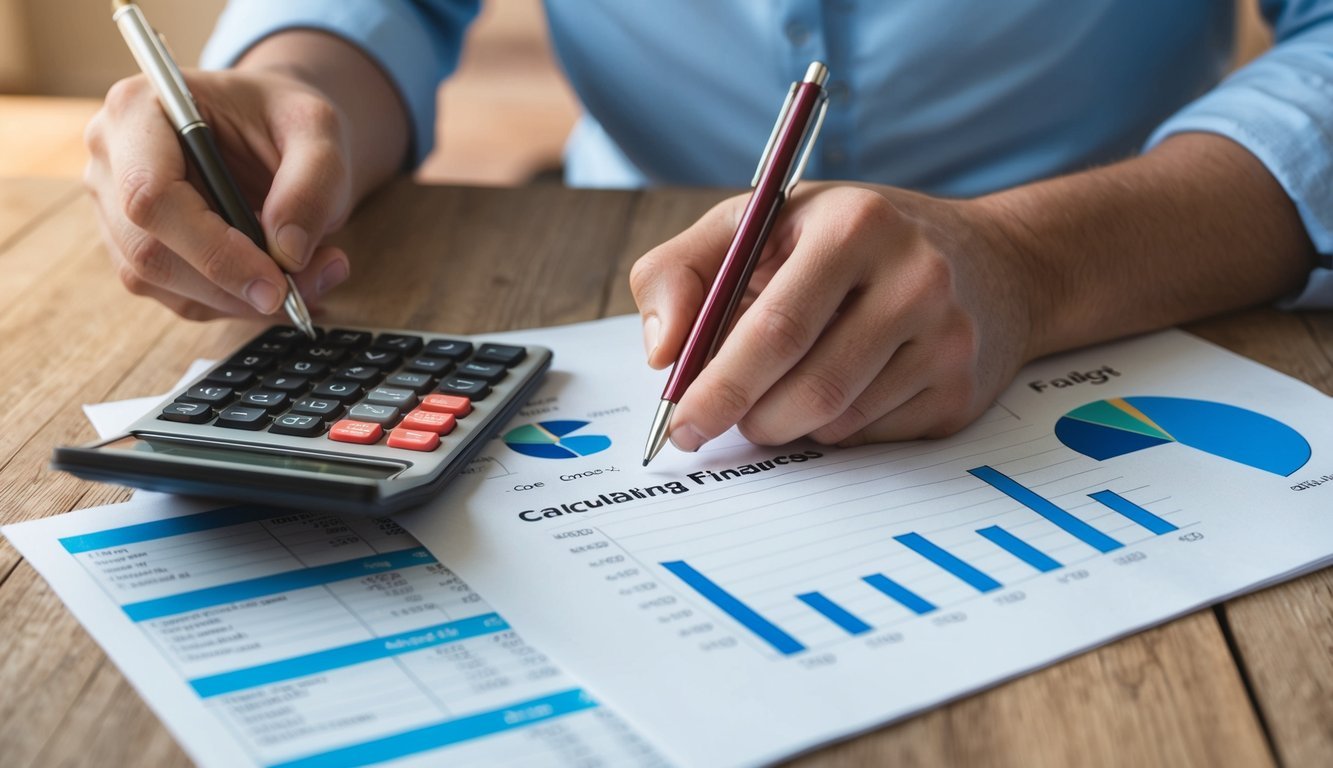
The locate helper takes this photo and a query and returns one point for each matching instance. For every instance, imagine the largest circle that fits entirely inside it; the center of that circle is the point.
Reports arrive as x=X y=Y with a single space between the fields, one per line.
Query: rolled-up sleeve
x=1280 y=108
x=417 y=44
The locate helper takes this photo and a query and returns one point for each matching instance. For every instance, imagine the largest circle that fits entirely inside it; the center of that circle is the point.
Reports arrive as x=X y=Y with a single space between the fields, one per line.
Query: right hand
x=286 y=145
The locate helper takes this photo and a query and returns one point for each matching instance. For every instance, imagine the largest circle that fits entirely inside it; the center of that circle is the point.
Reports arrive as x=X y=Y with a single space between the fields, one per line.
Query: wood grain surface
x=1246 y=683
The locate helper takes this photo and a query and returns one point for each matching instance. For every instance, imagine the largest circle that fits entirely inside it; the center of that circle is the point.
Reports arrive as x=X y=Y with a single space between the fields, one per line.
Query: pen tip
x=645 y=462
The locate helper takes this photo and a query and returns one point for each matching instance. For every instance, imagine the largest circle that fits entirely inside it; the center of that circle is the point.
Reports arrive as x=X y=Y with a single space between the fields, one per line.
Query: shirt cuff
x=1280 y=108
x=391 y=32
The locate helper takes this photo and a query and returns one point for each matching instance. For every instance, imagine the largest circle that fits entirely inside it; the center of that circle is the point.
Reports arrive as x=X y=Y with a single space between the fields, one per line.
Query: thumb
x=670 y=281
x=311 y=191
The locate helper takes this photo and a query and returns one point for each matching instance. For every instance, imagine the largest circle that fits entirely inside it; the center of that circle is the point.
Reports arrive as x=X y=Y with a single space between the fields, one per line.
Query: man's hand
x=874 y=314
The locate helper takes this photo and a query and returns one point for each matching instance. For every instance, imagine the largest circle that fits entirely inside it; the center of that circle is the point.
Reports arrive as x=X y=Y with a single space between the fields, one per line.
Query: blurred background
x=504 y=115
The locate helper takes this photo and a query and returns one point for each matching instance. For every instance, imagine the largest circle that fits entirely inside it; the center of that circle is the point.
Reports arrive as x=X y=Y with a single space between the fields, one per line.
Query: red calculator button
x=361 y=432
x=413 y=439
x=430 y=421
x=456 y=404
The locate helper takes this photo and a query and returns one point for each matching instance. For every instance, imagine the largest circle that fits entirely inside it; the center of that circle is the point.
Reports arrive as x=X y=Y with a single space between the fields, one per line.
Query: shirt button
x=798 y=34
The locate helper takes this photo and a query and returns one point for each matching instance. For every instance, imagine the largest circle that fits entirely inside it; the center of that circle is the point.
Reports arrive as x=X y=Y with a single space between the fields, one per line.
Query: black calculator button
x=380 y=358
x=292 y=385
x=208 y=394
x=469 y=388
x=449 y=349
x=504 y=354
x=240 y=417
x=232 y=377
x=321 y=353
x=403 y=345
x=269 y=399
x=298 y=424
x=375 y=414
x=342 y=391
x=187 y=413
x=252 y=360
x=315 y=406
x=417 y=382
x=405 y=399
x=435 y=366
x=487 y=372
x=285 y=333
x=307 y=368
x=269 y=347
x=364 y=375
x=345 y=338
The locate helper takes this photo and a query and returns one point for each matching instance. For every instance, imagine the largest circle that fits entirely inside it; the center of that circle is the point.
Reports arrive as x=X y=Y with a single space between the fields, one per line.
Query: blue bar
x=918 y=544
x=911 y=600
x=783 y=642
x=1028 y=498
x=834 y=613
x=1134 y=512
x=1020 y=549
x=161 y=529
x=278 y=582
x=449 y=732
x=348 y=655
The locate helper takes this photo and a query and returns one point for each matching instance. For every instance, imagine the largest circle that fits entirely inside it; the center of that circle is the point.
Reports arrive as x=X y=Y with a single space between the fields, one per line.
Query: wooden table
x=1249 y=682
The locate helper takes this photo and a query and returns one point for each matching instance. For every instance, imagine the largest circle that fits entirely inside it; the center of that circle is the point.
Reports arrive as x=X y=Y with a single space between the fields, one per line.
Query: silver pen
x=156 y=63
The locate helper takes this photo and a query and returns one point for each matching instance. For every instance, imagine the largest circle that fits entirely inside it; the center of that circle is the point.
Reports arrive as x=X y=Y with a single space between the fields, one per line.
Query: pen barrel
x=227 y=200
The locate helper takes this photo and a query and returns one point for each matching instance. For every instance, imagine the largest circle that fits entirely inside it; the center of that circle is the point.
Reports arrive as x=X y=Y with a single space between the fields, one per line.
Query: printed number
x=821 y=660
x=887 y=638
x=1072 y=576
x=1008 y=598
x=945 y=619
x=1130 y=557
x=1191 y=536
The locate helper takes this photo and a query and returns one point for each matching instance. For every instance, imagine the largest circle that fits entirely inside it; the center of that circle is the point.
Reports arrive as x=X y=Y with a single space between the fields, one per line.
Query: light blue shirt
x=951 y=97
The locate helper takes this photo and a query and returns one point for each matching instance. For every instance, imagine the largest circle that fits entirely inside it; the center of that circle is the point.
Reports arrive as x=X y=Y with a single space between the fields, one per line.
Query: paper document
x=309 y=640
x=744 y=603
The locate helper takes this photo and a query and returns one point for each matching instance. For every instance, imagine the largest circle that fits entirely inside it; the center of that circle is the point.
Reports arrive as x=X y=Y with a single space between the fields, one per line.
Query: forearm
x=375 y=114
x=1195 y=227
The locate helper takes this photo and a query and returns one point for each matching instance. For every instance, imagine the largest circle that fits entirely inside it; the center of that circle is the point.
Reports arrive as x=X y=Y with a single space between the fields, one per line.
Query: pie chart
x=1114 y=427
x=555 y=440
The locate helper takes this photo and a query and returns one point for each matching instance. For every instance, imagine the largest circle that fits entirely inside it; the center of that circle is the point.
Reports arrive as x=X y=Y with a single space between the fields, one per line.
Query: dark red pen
x=780 y=167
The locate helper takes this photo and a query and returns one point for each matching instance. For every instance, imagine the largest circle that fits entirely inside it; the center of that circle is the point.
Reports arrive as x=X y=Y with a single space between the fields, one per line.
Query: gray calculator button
x=379 y=414
x=400 y=398
x=417 y=382
x=298 y=424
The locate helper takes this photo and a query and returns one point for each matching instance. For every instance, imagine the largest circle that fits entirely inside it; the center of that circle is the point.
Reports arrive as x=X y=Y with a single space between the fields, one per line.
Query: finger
x=906 y=374
x=670 y=281
x=768 y=340
x=329 y=267
x=311 y=191
x=914 y=419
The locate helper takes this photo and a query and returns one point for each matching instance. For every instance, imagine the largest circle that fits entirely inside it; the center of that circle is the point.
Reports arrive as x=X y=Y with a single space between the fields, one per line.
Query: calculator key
x=457 y=405
x=321 y=353
x=187 y=413
x=209 y=394
x=240 y=417
x=414 y=439
x=376 y=414
x=360 y=432
x=283 y=333
x=403 y=345
x=314 y=406
x=365 y=375
x=399 y=398
x=252 y=360
x=435 y=366
x=417 y=382
x=346 y=338
x=342 y=391
x=270 y=347
x=298 y=424
x=308 y=368
x=232 y=377
x=487 y=372
x=290 y=384
x=469 y=388
x=265 y=398
x=449 y=349
x=504 y=354
x=430 y=421
x=380 y=358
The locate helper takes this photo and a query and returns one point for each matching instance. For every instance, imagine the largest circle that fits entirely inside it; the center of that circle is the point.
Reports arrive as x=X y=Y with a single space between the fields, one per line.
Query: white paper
x=114 y=418
x=575 y=551
x=304 y=640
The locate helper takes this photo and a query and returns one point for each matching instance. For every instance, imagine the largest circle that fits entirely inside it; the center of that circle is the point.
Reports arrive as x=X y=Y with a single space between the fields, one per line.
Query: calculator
x=357 y=420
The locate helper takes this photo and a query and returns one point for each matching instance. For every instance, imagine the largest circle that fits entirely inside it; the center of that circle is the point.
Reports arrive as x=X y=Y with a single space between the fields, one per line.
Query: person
x=1006 y=180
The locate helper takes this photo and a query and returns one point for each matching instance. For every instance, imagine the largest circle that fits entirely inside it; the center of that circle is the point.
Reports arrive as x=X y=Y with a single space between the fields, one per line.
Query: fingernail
x=263 y=295
x=687 y=438
x=652 y=328
x=292 y=241
x=333 y=273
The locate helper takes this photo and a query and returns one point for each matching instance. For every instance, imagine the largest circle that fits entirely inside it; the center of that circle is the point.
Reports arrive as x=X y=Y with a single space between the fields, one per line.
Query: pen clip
x=811 y=134
x=773 y=137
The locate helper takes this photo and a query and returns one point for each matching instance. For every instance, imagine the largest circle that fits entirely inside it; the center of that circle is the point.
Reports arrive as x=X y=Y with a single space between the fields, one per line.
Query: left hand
x=874 y=314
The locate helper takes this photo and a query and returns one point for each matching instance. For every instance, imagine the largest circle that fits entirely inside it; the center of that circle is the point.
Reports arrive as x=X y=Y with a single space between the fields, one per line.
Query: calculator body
x=202 y=441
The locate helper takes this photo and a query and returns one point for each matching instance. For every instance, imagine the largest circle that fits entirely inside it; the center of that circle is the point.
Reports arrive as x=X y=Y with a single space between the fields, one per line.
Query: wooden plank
x=24 y=201
x=48 y=132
